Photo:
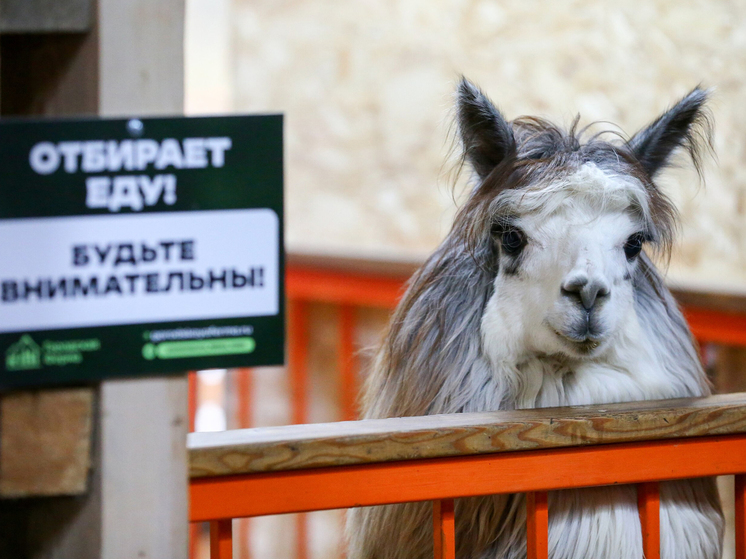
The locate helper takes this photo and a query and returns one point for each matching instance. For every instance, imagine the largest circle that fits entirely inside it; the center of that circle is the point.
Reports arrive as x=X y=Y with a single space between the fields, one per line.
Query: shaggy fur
x=566 y=318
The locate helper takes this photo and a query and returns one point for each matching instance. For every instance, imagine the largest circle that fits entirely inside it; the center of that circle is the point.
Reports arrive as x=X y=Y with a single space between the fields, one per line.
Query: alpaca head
x=564 y=223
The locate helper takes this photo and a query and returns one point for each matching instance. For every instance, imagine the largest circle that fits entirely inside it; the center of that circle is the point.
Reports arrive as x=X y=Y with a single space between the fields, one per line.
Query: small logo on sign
x=22 y=355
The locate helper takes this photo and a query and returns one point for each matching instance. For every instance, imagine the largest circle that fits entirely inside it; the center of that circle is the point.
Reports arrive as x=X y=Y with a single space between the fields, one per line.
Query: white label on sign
x=81 y=271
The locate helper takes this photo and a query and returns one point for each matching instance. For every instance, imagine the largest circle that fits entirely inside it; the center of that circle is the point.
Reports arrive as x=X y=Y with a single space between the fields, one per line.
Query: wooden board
x=364 y=442
x=46 y=442
x=45 y=16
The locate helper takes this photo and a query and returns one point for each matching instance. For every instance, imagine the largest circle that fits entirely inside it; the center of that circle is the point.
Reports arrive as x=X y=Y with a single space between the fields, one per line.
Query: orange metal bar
x=464 y=476
x=444 y=529
x=221 y=539
x=741 y=516
x=649 y=505
x=347 y=365
x=537 y=525
x=298 y=342
x=716 y=326
x=192 y=395
x=298 y=359
x=333 y=286
x=244 y=392
x=243 y=382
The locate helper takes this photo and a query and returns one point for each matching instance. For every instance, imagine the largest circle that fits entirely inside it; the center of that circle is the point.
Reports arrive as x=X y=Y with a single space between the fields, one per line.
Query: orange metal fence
x=350 y=284
x=459 y=471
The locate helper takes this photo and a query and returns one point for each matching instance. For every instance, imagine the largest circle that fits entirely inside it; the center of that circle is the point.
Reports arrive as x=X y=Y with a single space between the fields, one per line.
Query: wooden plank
x=46 y=16
x=369 y=441
x=144 y=495
x=649 y=505
x=143 y=421
x=141 y=53
x=537 y=525
x=463 y=476
x=45 y=447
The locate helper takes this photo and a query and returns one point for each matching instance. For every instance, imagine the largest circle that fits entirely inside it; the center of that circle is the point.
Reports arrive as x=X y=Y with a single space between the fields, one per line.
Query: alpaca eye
x=633 y=246
x=513 y=241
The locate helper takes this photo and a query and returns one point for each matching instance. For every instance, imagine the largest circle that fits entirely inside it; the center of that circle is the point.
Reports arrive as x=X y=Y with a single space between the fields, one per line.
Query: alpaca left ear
x=686 y=124
x=486 y=136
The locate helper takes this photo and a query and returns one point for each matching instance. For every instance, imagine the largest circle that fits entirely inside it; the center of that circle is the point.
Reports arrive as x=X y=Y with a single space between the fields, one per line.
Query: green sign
x=139 y=247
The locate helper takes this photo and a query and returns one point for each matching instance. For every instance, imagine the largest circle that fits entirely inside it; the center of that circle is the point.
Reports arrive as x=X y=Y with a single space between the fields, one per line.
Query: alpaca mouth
x=584 y=344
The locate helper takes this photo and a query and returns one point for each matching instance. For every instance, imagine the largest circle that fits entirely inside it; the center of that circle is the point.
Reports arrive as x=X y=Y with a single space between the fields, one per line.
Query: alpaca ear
x=486 y=137
x=686 y=124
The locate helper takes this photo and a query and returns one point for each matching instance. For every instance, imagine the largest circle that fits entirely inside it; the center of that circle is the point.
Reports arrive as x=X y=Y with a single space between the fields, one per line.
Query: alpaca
x=541 y=295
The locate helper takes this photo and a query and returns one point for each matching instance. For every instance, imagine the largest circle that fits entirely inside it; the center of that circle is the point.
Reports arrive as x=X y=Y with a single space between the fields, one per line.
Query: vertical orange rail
x=298 y=342
x=741 y=516
x=347 y=365
x=298 y=361
x=649 y=505
x=537 y=525
x=192 y=396
x=444 y=529
x=221 y=539
x=244 y=396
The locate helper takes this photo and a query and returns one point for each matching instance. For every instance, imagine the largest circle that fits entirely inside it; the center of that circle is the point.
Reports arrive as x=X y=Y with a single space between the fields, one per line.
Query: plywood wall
x=366 y=87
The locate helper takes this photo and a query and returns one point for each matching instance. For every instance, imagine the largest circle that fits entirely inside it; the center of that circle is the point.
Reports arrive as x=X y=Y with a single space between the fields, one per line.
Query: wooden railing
x=253 y=472
x=350 y=283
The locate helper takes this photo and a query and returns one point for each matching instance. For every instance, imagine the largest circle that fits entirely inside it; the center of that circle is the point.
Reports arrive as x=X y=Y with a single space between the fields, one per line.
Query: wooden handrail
x=294 y=447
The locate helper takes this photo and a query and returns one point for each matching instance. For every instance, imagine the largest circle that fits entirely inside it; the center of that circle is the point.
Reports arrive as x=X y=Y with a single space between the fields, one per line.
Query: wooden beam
x=382 y=440
x=45 y=448
x=46 y=16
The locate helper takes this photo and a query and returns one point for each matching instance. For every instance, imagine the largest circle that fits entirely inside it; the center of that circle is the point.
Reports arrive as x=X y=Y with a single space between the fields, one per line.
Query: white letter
x=125 y=193
x=44 y=158
x=70 y=151
x=97 y=195
x=151 y=189
x=146 y=151
x=218 y=147
x=93 y=157
x=169 y=187
x=169 y=154
x=195 y=155
x=119 y=154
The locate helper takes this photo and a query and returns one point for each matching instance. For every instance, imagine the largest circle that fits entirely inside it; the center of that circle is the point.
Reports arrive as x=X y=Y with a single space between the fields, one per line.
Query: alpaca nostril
x=573 y=286
x=584 y=291
x=591 y=293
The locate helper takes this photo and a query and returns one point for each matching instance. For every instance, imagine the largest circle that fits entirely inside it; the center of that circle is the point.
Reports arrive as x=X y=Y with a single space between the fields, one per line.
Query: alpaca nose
x=585 y=290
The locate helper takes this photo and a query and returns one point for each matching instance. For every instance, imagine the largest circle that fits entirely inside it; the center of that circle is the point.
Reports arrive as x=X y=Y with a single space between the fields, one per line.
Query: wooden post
x=117 y=58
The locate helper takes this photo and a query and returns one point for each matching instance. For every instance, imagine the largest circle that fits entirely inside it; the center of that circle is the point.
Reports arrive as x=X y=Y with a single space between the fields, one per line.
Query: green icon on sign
x=199 y=348
x=22 y=355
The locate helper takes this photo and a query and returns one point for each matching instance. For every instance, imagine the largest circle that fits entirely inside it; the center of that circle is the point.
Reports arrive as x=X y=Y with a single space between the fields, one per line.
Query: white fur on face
x=575 y=227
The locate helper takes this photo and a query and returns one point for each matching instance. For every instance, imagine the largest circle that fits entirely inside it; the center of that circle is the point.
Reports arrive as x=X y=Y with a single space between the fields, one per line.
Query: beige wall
x=366 y=88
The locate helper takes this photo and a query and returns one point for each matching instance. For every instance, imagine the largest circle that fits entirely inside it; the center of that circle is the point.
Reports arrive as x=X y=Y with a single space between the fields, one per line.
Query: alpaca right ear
x=686 y=124
x=486 y=136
